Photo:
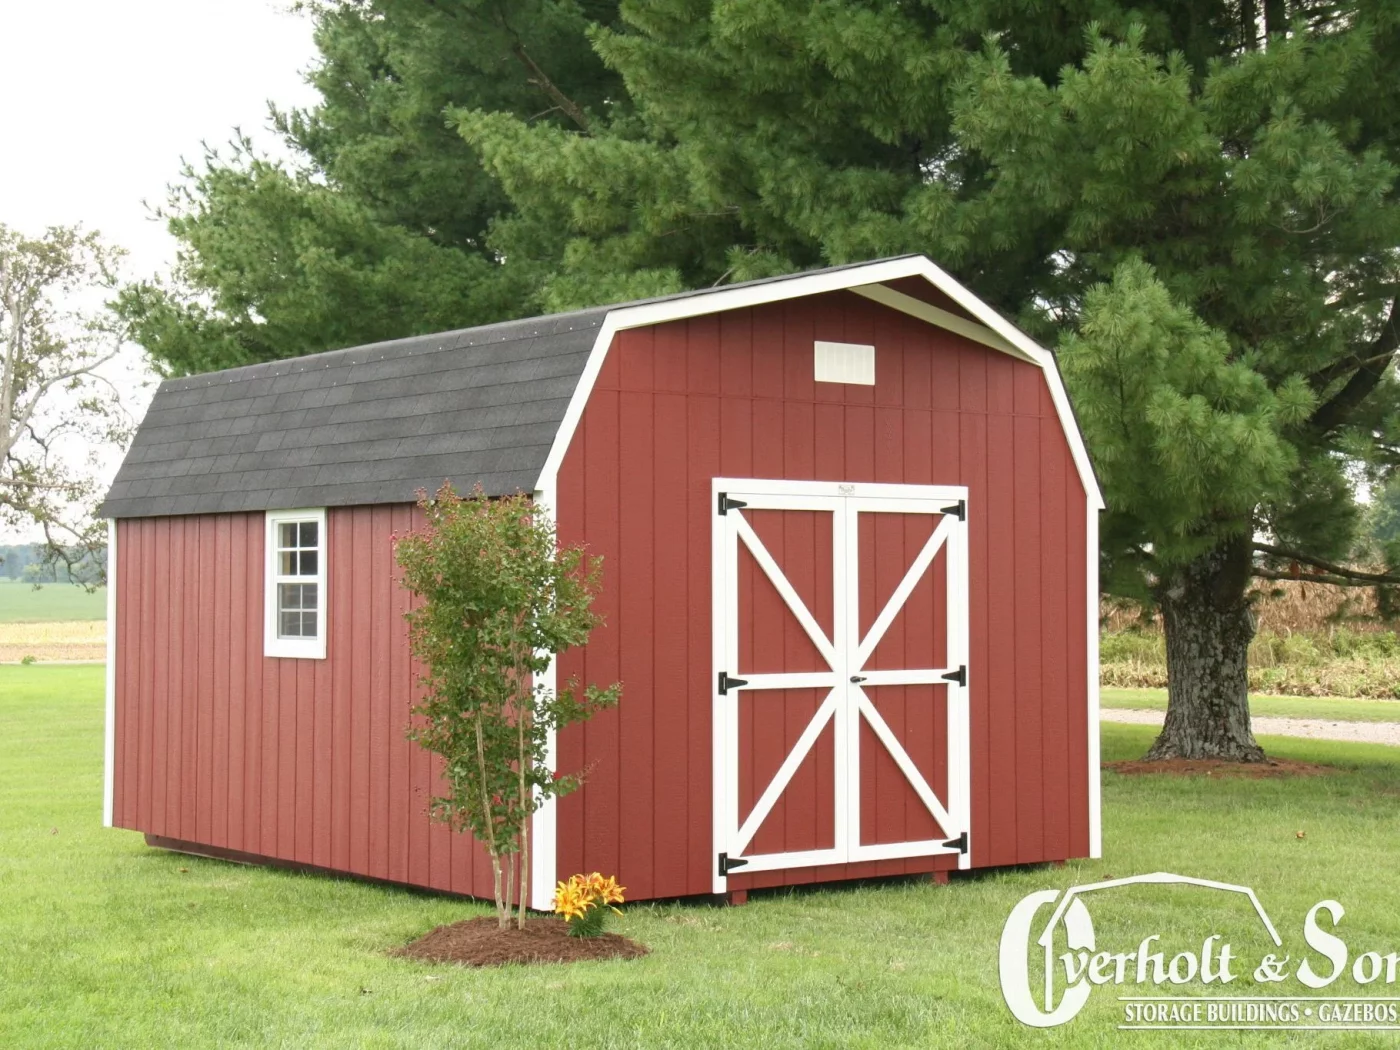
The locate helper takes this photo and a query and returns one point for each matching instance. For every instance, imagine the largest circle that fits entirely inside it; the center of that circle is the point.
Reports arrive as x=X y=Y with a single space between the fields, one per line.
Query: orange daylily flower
x=574 y=899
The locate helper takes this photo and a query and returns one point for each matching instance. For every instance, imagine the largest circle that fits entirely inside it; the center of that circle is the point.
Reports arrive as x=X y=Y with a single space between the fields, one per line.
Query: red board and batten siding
x=733 y=395
x=302 y=761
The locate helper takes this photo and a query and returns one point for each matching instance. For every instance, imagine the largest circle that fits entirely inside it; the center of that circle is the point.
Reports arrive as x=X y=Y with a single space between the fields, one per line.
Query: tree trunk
x=526 y=705
x=1249 y=25
x=502 y=918
x=1209 y=625
x=524 y=869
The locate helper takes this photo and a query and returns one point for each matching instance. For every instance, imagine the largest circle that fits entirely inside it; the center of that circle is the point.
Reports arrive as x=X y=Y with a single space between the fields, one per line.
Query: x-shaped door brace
x=827 y=648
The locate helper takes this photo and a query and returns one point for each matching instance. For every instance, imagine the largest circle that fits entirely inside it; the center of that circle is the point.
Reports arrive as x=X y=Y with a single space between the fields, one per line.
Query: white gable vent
x=845 y=363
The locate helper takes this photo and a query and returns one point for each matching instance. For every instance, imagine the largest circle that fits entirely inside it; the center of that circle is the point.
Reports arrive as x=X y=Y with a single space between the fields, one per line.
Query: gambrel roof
x=372 y=424
x=494 y=405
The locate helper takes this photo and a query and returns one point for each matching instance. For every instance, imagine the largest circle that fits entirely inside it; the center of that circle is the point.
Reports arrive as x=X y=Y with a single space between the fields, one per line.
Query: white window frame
x=294 y=648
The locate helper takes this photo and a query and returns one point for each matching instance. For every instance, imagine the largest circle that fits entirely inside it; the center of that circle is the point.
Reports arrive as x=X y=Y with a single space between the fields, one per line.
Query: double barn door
x=840 y=704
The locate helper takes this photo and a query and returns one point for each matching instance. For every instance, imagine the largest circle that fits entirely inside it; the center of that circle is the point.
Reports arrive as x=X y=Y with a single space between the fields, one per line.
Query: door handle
x=856 y=679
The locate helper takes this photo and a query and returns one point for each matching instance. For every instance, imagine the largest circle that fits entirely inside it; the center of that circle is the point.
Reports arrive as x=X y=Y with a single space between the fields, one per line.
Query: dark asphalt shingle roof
x=371 y=424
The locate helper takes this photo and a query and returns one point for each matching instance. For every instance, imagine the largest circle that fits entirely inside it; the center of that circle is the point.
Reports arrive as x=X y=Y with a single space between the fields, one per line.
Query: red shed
x=849 y=533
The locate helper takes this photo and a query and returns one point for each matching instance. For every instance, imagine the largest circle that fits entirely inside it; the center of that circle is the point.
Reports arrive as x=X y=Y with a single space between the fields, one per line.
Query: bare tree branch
x=1310 y=577
x=1356 y=577
x=56 y=408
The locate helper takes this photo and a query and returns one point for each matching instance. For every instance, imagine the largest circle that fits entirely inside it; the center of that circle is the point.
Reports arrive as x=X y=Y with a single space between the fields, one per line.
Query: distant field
x=1335 y=709
x=46 y=642
x=53 y=602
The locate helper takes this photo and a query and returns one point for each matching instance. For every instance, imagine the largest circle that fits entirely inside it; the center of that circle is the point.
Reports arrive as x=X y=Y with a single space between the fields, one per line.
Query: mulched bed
x=480 y=942
x=1214 y=767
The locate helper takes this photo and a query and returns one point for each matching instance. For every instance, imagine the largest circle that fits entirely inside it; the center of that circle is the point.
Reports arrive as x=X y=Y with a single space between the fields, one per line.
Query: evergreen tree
x=1194 y=200
x=1383 y=517
x=379 y=229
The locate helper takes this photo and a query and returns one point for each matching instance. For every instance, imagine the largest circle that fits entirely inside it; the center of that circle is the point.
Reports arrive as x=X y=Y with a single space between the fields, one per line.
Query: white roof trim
x=564 y=436
x=720 y=300
x=851 y=278
x=886 y=296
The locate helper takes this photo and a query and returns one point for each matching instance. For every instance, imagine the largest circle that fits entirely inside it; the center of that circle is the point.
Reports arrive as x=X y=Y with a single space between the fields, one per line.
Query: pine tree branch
x=39 y=486
x=1325 y=377
x=540 y=79
x=1353 y=577
x=1335 y=411
x=1323 y=218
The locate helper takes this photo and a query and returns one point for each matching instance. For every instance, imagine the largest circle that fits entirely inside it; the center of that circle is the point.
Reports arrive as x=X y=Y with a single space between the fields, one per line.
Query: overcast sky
x=104 y=98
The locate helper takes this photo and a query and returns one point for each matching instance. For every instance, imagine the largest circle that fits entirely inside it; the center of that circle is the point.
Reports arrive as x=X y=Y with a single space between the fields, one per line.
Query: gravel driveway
x=1316 y=728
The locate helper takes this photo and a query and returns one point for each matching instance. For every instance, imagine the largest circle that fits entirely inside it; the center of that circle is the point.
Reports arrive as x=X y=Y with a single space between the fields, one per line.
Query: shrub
x=1148 y=647
x=499 y=599
x=1337 y=661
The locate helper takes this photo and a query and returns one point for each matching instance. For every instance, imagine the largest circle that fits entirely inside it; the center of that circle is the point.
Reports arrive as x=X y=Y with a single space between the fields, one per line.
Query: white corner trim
x=1091 y=529
x=109 y=745
x=544 y=823
x=861 y=279
x=907 y=304
x=294 y=648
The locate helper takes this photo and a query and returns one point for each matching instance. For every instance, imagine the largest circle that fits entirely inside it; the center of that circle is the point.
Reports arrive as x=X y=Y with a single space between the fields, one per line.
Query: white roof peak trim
x=798 y=286
x=848 y=278
x=908 y=304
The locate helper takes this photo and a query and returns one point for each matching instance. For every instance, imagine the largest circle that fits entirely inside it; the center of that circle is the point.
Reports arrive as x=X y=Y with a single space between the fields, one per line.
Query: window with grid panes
x=296 y=584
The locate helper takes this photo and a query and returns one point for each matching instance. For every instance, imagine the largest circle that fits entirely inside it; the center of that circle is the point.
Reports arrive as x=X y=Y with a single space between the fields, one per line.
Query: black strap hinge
x=959 y=676
x=726 y=683
x=960 y=842
x=728 y=864
x=959 y=508
x=726 y=504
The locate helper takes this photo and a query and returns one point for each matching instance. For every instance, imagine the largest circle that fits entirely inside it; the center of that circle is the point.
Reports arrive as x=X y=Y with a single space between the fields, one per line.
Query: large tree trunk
x=1209 y=625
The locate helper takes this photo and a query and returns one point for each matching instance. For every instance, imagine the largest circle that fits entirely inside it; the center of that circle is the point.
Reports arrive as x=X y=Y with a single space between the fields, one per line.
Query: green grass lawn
x=1336 y=709
x=109 y=944
x=53 y=602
